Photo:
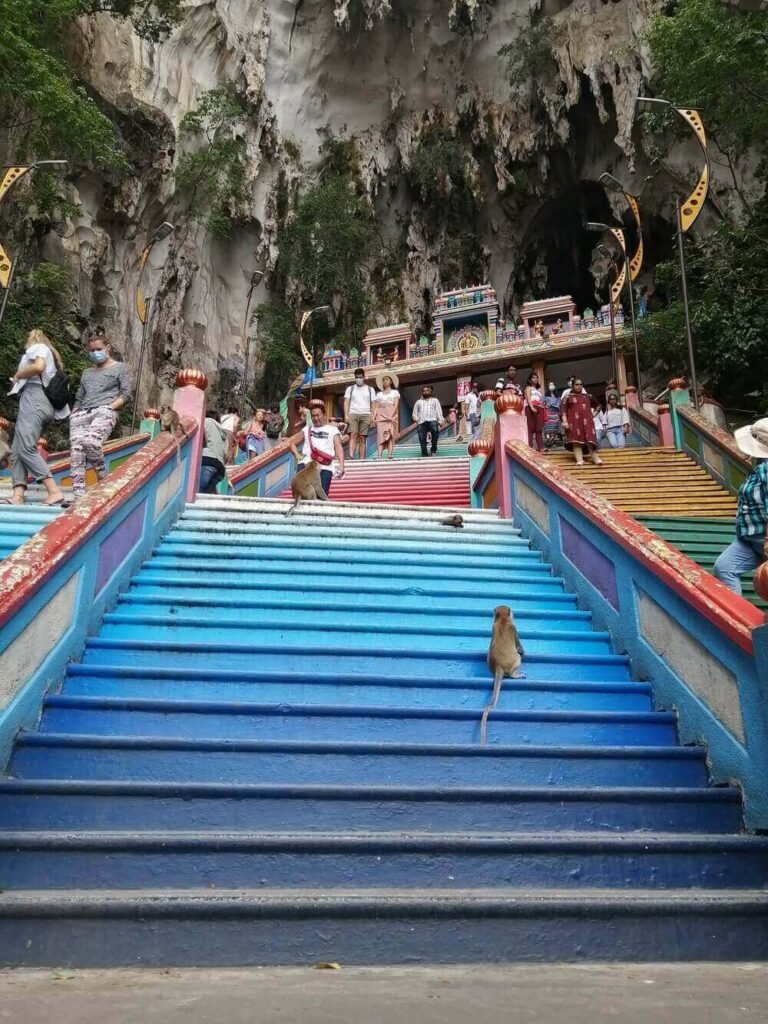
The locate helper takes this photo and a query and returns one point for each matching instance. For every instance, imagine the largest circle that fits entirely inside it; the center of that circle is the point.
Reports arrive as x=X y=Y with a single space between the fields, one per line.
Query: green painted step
x=702 y=540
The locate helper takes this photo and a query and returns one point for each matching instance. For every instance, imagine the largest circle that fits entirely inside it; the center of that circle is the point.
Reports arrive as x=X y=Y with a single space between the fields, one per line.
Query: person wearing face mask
x=552 y=432
x=104 y=389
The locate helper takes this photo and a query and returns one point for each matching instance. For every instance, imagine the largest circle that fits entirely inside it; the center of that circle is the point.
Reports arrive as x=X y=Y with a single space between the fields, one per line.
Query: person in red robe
x=576 y=413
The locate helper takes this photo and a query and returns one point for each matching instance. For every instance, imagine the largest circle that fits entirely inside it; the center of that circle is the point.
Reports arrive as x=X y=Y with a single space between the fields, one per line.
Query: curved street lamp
x=143 y=305
x=256 y=278
x=688 y=209
x=621 y=276
x=11 y=176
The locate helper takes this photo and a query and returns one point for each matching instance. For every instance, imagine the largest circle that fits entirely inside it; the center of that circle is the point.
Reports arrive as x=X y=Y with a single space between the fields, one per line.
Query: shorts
x=359 y=424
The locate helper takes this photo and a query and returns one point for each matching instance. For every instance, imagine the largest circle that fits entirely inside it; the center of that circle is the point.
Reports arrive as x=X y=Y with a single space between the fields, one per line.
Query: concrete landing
x=689 y=994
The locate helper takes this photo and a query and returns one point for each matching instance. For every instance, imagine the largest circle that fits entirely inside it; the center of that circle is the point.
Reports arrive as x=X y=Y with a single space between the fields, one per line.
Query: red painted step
x=404 y=482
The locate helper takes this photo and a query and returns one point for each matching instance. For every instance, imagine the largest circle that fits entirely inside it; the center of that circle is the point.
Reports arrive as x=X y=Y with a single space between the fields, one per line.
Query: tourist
x=321 y=444
x=274 y=425
x=255 y=436
x=748 y=550
x=231 y=423
x=386 y=413
x=472 y=406
x=552 y=428
x=428 y=415
x=576 y=413
x=567 y=389
x=297 y=419
x=616 y=423
x=509 y=382
x=217 y=443
x=358 y=411
x=535 y=411
x=37 y=368
x=104 y=389
x=598 y=418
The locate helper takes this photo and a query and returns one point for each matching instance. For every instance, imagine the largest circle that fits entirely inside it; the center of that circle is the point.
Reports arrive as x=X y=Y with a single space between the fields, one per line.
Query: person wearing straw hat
x=386 y=412
x=749 y=549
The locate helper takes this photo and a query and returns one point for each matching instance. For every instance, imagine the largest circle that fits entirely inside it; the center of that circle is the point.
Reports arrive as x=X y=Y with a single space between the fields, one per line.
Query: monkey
x=306 y=484
x=504 y=656
x=456 y=521
x=171 y=421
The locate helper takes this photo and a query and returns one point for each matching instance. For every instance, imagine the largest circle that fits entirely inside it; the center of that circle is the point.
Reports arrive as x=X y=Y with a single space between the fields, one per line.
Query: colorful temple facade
x=468 y=339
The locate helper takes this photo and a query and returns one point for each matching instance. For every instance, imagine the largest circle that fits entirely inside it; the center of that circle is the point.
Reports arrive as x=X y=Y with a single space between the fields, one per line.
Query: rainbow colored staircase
x=269 y=753
x=431 y=481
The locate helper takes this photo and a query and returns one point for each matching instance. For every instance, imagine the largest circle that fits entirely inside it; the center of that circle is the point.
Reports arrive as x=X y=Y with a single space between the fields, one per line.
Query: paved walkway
x=689 y=994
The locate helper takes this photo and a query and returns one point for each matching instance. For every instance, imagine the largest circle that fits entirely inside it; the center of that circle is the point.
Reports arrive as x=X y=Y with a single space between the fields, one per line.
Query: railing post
x=479 y=447
x=150 y=422
x=630 y=394
x=510 y=426
x=189 y=400
x=666 y=430
x=678 y=395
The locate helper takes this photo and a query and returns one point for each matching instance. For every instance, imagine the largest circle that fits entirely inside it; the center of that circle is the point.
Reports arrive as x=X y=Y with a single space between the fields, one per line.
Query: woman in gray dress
x=37 y=368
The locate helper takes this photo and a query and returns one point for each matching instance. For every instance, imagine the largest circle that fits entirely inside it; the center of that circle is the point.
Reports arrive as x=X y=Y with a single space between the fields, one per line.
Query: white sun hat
x=386 y=373
x=753 y=440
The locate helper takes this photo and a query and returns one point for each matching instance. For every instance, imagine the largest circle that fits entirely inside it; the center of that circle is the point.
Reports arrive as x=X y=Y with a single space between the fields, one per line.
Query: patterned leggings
x=88 y=430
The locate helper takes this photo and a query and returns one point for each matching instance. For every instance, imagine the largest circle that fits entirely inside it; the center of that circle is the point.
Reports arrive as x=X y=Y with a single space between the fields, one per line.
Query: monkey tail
x=497 y=680
x=293 y=507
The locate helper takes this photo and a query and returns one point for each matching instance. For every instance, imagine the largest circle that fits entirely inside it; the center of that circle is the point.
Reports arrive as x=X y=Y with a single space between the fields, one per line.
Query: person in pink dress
x=576 y=413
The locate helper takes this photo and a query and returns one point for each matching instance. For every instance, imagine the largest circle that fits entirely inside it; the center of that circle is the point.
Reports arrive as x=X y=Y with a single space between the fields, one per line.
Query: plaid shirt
x=752 y=513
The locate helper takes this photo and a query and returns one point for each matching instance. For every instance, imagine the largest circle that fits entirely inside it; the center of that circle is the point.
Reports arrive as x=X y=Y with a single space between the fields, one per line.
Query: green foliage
x=529 y=55
x=278 y=350
x=727 y=275
x=708 y=55
x=324 y=250
x=441 y=172
x=213 y=174
x=152 y=21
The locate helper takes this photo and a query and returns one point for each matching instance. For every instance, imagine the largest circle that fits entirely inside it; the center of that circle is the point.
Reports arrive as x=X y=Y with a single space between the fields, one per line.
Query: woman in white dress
x=386 y=412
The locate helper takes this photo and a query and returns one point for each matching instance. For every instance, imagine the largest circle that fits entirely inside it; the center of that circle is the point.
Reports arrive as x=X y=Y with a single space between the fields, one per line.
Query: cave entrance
x=557 y=250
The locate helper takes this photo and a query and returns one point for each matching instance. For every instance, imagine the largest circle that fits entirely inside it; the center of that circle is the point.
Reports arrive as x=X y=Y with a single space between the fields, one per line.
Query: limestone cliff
x=379 y=72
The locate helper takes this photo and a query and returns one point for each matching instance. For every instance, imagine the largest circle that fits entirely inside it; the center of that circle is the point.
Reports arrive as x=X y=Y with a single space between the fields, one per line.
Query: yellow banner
x=10 y=176
x=304 y=351
x=5 y=268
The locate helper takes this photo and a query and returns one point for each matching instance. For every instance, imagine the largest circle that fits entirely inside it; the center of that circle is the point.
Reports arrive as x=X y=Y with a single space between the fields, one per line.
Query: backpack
x=57 y=390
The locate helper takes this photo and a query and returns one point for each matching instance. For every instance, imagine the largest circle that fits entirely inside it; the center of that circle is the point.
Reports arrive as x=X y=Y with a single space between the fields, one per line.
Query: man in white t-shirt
x=324 y=439
x=472 y=405
x=358 y=408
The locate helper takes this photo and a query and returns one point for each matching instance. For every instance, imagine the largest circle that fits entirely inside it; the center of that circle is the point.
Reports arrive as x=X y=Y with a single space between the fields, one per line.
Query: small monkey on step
x=457 y=522
x=171 y=421
x=504 y=657
x=306 y=484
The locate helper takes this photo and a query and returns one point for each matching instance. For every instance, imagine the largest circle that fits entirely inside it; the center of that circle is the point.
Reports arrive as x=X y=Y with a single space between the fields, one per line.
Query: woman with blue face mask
x=105 y=387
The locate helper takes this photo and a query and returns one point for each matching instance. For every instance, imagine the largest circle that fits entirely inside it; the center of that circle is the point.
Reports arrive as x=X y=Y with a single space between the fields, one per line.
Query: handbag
x=57 y=390
x=317 y=456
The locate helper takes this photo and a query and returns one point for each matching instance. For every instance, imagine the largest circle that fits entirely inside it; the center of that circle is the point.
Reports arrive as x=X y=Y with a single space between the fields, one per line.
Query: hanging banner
x=463 y=387
x=304 y=351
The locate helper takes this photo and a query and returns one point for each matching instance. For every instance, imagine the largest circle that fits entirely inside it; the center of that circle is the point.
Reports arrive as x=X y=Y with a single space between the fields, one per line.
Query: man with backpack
x=274 y=425
x=358 y=409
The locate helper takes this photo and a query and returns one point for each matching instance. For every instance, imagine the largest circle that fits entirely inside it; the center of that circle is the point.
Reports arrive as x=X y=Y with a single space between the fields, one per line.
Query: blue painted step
x=189 y=928
x=90 y=804
x=458 y=664
x=120 y=860
x=354 y=689
x=192 y=719
x=78 y=756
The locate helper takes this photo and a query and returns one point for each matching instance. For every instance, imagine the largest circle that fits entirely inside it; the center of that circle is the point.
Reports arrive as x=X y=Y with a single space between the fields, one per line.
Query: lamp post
x=687 y=210
x=143 y=305
x=309 y=359
x=11 y=176
x=256 y=278
x=618 y=283
x=635 y=263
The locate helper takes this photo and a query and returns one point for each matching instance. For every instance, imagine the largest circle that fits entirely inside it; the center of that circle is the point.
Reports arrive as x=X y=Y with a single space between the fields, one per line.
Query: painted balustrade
x=705 y=647
x=711 y=447
x=55 y=588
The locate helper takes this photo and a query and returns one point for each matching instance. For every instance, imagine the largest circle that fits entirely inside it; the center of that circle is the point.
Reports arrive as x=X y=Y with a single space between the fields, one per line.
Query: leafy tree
x=529 y=55
x=441 y=172
x=44 y=107
x=213 y=174
x=278 y=349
